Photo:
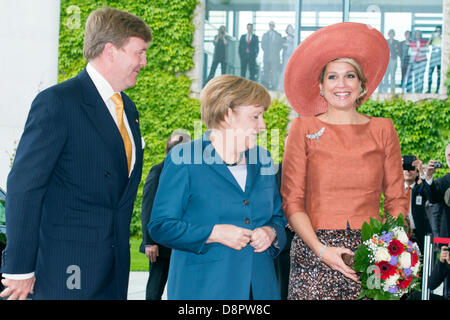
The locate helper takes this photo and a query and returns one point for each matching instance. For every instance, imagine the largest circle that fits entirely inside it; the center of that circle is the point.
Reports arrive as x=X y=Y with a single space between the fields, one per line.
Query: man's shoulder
x=66 y=88
x=445 y=180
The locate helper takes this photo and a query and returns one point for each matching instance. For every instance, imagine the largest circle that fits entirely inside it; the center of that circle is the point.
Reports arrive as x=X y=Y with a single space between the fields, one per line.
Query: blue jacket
x=69 y=200
x=194 y=194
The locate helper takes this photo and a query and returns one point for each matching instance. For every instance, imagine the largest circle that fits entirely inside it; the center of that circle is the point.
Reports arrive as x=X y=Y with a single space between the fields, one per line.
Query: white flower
x=415 y=269
x=390 y=282
x=382 y=254
x=405 y=260
x=401 y=235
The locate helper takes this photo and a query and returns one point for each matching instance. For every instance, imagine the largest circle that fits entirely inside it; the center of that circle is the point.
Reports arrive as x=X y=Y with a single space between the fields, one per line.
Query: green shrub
x=423 y=127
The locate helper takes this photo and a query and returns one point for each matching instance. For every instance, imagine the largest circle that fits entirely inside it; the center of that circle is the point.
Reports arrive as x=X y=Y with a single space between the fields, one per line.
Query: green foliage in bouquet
x=387 y=261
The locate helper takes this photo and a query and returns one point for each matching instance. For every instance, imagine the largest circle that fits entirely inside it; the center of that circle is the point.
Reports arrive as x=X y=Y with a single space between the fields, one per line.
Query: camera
x=407 y=163
x=437 y=165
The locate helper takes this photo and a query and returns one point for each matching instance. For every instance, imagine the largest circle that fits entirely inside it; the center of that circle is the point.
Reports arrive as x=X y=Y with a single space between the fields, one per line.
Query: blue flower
x=393 y=289
x=386 y=236
x=394 y=260
x=407 y=272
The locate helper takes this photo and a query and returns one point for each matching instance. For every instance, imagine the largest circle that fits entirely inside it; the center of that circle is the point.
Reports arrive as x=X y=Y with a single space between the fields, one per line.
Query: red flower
x=403 y=284
x=414 y=258
x=396 y=247
x=386 y=269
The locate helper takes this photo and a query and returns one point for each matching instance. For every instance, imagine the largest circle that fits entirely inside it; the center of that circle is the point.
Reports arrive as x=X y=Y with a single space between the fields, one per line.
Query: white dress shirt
x=411 y=219
x=106 y=91
x=240 y=174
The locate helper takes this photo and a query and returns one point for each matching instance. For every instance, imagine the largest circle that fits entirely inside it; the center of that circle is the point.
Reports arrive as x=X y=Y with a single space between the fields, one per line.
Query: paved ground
x=136 y=286
x=138 y=281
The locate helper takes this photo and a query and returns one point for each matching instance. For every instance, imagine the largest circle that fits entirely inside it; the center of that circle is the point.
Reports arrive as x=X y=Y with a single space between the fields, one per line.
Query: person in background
x=435 y=59
x=217 y=205
x=418 y=193
x=337 y=161
x=441 y=272
x=248 y=51
x=439 y=188
x=389 y=78
x=158 y=255
x=418 y=53
x=288 y=49
x=405 y=58
x=220 y=53
x=271 y=45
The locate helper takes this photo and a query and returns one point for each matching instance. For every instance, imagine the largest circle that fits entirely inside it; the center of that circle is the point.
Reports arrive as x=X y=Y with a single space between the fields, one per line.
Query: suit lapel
x=103 y=122
x=133 y=122
x=252 y=169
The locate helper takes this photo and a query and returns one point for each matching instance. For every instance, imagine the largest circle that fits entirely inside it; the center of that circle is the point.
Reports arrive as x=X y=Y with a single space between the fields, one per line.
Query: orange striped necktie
x=117 y=99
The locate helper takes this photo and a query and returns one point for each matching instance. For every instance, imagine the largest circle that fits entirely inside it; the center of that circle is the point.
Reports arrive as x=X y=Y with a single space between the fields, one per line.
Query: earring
x=321 y=93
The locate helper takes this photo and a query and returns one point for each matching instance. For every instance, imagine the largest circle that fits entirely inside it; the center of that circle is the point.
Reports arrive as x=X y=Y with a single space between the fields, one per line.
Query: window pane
x=412 y=69
x=415 y=63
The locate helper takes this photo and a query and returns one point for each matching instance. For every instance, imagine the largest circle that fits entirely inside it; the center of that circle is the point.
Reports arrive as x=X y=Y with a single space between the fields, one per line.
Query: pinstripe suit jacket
x=69 y=199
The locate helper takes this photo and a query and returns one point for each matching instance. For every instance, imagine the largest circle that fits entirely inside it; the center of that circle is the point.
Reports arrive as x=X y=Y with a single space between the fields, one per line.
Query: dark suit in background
x=159 y=270
x=248 y=51
x=422 y=225
x=438 y=188
x=283 y=261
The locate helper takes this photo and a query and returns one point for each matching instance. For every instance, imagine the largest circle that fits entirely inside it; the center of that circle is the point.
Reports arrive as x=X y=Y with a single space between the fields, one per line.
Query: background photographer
x=438 y=189
x=418 y=193
x=220 y=53
x=441 y=271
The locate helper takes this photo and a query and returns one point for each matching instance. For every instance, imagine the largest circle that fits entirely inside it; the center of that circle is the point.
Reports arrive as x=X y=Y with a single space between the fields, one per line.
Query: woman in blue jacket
x=218 y=205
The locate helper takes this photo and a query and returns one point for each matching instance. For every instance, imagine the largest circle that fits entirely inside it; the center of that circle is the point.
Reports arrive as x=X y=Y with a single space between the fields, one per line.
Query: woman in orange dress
x=337 y=161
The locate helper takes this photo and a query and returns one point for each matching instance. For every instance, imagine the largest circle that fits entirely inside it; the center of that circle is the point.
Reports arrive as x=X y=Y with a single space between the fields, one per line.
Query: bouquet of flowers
x=387 y=261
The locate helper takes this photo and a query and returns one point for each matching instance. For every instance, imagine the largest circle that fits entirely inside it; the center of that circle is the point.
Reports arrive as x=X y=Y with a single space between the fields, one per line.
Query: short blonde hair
x=229 y=91
x=359 y=72
x=111 y=25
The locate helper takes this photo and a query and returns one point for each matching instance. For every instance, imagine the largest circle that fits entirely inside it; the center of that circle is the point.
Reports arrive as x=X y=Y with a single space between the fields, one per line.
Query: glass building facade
x=412 y=28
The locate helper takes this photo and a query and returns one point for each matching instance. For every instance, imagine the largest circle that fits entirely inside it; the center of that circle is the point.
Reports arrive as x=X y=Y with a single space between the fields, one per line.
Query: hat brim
x=353 y=40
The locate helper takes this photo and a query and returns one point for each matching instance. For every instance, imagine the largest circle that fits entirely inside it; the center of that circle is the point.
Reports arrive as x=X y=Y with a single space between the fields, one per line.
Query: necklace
x=241 y=155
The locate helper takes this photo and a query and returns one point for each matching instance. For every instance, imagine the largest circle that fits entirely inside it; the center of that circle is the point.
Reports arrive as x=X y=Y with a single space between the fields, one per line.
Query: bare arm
x=331 y=255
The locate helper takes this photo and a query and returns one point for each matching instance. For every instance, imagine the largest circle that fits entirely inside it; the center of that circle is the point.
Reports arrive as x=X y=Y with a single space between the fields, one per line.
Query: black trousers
x=250 y=63
x=157 y=278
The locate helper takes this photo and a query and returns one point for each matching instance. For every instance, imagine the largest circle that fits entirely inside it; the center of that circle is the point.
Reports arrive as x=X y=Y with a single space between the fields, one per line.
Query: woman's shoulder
x=383 y=124
x=304 y=122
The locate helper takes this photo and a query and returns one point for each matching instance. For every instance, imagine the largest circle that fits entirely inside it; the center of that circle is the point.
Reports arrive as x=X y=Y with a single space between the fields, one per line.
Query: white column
x=196 y=73
x=445 y=44
x=29 y=31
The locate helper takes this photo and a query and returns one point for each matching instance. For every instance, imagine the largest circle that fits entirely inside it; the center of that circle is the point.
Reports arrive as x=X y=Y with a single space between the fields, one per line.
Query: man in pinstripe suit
x=76 y=172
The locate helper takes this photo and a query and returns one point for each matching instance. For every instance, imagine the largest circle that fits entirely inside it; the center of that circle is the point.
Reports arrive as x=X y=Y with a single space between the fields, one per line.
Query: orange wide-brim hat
x=358 y=41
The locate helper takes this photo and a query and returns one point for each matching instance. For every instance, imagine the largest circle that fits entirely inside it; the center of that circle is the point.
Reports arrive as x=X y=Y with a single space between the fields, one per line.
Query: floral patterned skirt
x=311 y=279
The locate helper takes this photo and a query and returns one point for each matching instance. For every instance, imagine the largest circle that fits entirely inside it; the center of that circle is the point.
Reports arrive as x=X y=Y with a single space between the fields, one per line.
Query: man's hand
x=17 y=289
x=430 y=169
x=418 y=165
x=445 y=257
x=152 y=252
